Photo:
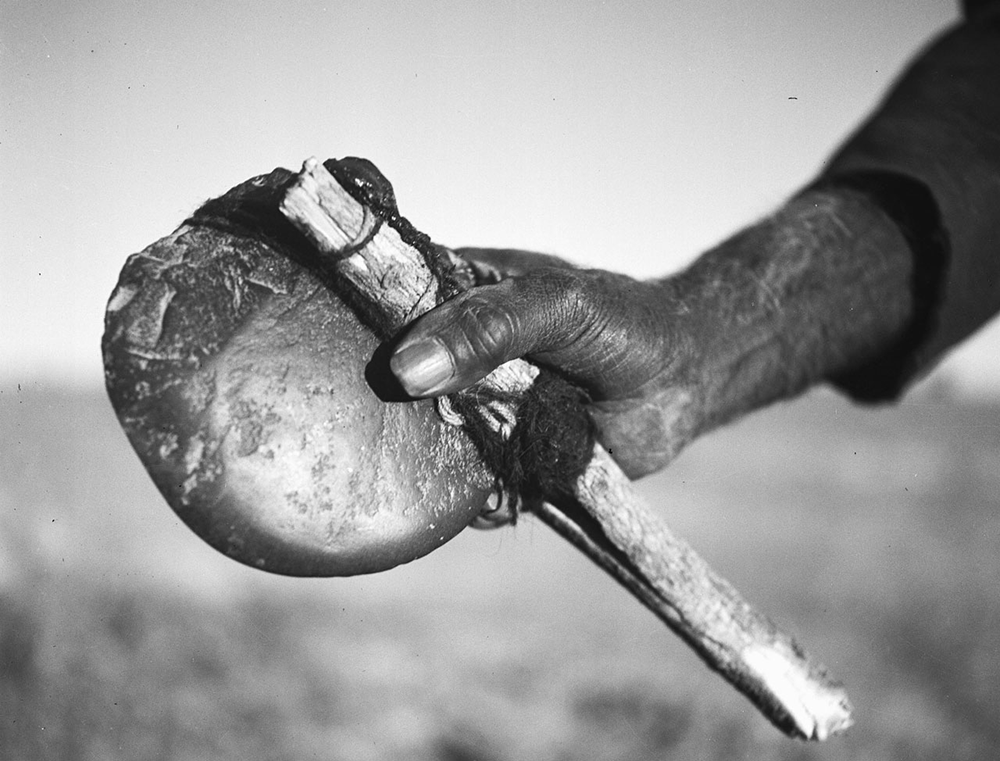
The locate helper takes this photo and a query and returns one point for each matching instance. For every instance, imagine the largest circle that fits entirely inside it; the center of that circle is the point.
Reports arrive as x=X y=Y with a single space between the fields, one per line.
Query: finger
x=464 y=339
x=601 y=330
x=494 y=264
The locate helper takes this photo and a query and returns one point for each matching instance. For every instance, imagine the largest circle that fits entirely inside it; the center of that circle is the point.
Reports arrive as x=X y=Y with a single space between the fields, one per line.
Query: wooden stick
x=606 y=518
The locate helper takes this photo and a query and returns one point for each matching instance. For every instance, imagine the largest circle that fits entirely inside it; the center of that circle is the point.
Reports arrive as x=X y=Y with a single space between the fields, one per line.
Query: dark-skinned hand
x=810 y=292
x=619 y=339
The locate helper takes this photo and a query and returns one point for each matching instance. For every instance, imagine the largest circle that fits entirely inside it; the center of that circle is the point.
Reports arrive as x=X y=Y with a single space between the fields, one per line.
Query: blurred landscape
x=627 y=136
x=872 y=534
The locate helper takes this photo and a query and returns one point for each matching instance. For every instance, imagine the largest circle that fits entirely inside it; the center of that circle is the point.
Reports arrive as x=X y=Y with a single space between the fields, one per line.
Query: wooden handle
x=606 y=517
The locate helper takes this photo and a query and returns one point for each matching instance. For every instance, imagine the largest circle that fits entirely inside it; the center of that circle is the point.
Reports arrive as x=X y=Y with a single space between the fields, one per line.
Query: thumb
x=465 y=338
x=595 y=327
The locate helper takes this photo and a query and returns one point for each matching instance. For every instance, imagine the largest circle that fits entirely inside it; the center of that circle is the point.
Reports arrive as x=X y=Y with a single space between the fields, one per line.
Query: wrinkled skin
x=613 y=336
x=863 y=285
x=805 y=295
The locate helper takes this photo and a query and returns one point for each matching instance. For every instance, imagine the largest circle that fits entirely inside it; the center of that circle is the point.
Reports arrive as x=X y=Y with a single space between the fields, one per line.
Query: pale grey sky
x=625 y=135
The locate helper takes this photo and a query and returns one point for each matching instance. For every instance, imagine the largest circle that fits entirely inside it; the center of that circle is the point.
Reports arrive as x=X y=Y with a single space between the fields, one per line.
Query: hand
x=816 y=291
x=620 y=339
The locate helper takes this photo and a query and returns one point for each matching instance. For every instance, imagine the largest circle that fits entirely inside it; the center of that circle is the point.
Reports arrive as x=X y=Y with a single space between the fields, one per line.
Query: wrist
x=807 y=294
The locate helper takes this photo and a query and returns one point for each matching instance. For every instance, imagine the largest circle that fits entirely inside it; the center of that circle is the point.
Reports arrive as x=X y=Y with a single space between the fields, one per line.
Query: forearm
x=869 y=293
x=940 y=127
x=861 y=280
x=806 y=295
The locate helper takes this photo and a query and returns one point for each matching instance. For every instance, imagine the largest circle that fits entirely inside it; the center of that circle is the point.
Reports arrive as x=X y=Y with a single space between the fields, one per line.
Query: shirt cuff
x=912 y=208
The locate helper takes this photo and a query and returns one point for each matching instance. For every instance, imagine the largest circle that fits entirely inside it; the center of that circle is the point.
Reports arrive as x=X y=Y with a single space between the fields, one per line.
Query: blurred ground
x=875 y=535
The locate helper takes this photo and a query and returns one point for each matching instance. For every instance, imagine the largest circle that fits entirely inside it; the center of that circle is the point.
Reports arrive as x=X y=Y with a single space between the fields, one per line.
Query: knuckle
x=580 y=307
x=488 y=328
x=604 y=331
x=568 y=303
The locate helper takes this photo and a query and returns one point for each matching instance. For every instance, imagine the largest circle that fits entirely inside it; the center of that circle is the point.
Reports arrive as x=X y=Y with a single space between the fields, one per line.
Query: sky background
x=626 y=135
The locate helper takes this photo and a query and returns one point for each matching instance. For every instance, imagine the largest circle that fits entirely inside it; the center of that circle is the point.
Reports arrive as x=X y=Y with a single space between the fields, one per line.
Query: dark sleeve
x=930 y=156
x=974 y=8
